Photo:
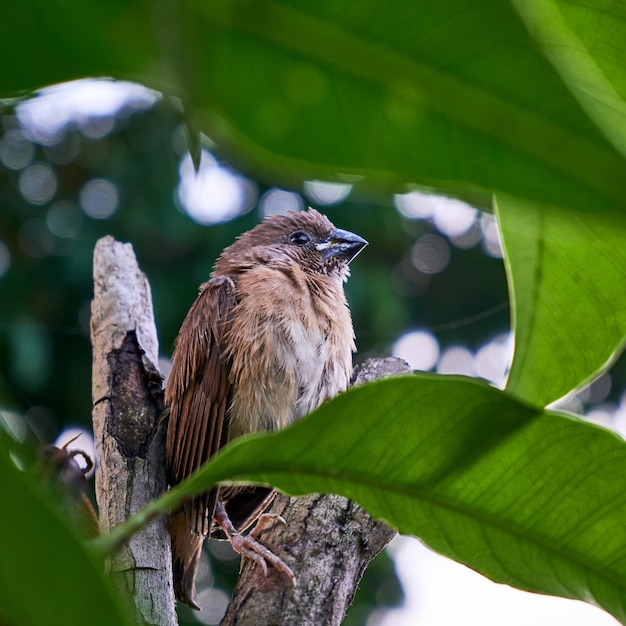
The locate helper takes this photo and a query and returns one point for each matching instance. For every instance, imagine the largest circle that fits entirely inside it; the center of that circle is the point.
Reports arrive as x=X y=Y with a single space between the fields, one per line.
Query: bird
x=268 y=340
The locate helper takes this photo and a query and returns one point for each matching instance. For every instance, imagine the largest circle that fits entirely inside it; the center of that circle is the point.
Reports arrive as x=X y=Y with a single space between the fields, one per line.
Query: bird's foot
x=249 y=547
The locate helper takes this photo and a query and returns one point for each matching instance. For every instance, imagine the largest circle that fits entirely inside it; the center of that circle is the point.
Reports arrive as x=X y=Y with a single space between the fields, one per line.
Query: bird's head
x=307 y=238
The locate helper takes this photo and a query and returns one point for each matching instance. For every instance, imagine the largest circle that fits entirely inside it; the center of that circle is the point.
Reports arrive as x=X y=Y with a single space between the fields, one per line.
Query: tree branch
x=328 y=541
x=130 y=446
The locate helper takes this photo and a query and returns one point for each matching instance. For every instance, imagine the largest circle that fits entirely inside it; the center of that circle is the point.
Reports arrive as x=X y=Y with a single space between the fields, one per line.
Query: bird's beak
x=342 y=244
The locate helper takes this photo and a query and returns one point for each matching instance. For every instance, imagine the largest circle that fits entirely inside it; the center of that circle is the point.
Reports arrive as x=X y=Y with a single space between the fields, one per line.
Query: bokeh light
x=212 y=599
x=213 y=604
x=214 y=193
x=602 y=415
x=420 y=349
x=38 y=183
x=597 y=390
x=89 y=104
x=278 y=201
x=96 y=127
x=493 y=360
x=619 y=417
x=463 y=225
x=571 y=403
x=414 y=205
x=492 y=242
x=326 y=193
x=452 y=217
x=99 y=198
x=430 y=254
x=469 y=238
x=591 y=403
x=16 y=152
x=456 y=360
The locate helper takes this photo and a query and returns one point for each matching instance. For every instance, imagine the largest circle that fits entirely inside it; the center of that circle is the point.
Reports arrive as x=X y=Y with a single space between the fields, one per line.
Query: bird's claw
x=266 y=520
x=250 y=548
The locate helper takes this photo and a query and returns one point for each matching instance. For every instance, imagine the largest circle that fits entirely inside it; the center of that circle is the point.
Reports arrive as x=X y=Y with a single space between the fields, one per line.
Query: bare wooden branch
x=328 y=541
x=130 y=445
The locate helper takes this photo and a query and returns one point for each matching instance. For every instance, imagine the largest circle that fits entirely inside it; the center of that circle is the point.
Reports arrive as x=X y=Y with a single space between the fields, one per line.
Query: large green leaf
x=429 y=92
x=47 y=577
x=586 y=44
x=445 y=94
x=529 y=498
x=566 y=277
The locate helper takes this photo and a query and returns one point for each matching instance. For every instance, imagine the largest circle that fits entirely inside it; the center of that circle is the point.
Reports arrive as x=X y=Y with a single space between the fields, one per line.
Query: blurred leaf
x=588 y=50
x=50 y=42
x=429 y=92
x=46 y=575
x=425 y=92
x=529 y=498
x=566 y=278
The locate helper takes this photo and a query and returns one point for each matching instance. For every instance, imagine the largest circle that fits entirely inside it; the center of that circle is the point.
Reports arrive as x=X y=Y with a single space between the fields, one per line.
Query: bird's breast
x=290 y=350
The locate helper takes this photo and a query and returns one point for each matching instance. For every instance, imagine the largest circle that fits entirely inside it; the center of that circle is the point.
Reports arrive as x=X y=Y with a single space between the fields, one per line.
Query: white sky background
x=438 y=591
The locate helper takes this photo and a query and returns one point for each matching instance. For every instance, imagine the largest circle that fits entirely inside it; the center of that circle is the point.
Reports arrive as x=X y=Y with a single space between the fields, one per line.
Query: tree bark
x=129 y=435
x=327 y=540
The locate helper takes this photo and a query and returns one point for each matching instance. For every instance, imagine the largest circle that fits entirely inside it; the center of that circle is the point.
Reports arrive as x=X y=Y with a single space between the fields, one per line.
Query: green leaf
x=529 y=498
x=50 y=42
x=426 y=92
x=566 y=279
x=588 y=50
x=47 y=577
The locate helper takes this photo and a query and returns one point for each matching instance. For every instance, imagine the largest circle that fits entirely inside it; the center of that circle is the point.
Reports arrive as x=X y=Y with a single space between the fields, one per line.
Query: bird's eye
x=299 y=238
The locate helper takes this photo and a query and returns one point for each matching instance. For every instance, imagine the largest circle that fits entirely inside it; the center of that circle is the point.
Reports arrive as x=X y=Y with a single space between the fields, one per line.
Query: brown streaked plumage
x=268 y=340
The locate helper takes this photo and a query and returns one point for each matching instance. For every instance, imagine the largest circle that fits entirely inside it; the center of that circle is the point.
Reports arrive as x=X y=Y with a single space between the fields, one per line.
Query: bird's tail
x=186 y=550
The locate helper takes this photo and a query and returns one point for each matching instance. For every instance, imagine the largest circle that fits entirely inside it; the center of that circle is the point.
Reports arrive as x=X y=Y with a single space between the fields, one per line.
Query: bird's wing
x=197 y=393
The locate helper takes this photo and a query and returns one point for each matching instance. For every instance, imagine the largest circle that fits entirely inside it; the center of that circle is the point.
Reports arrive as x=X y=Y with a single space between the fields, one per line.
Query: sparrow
x=268 y=339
